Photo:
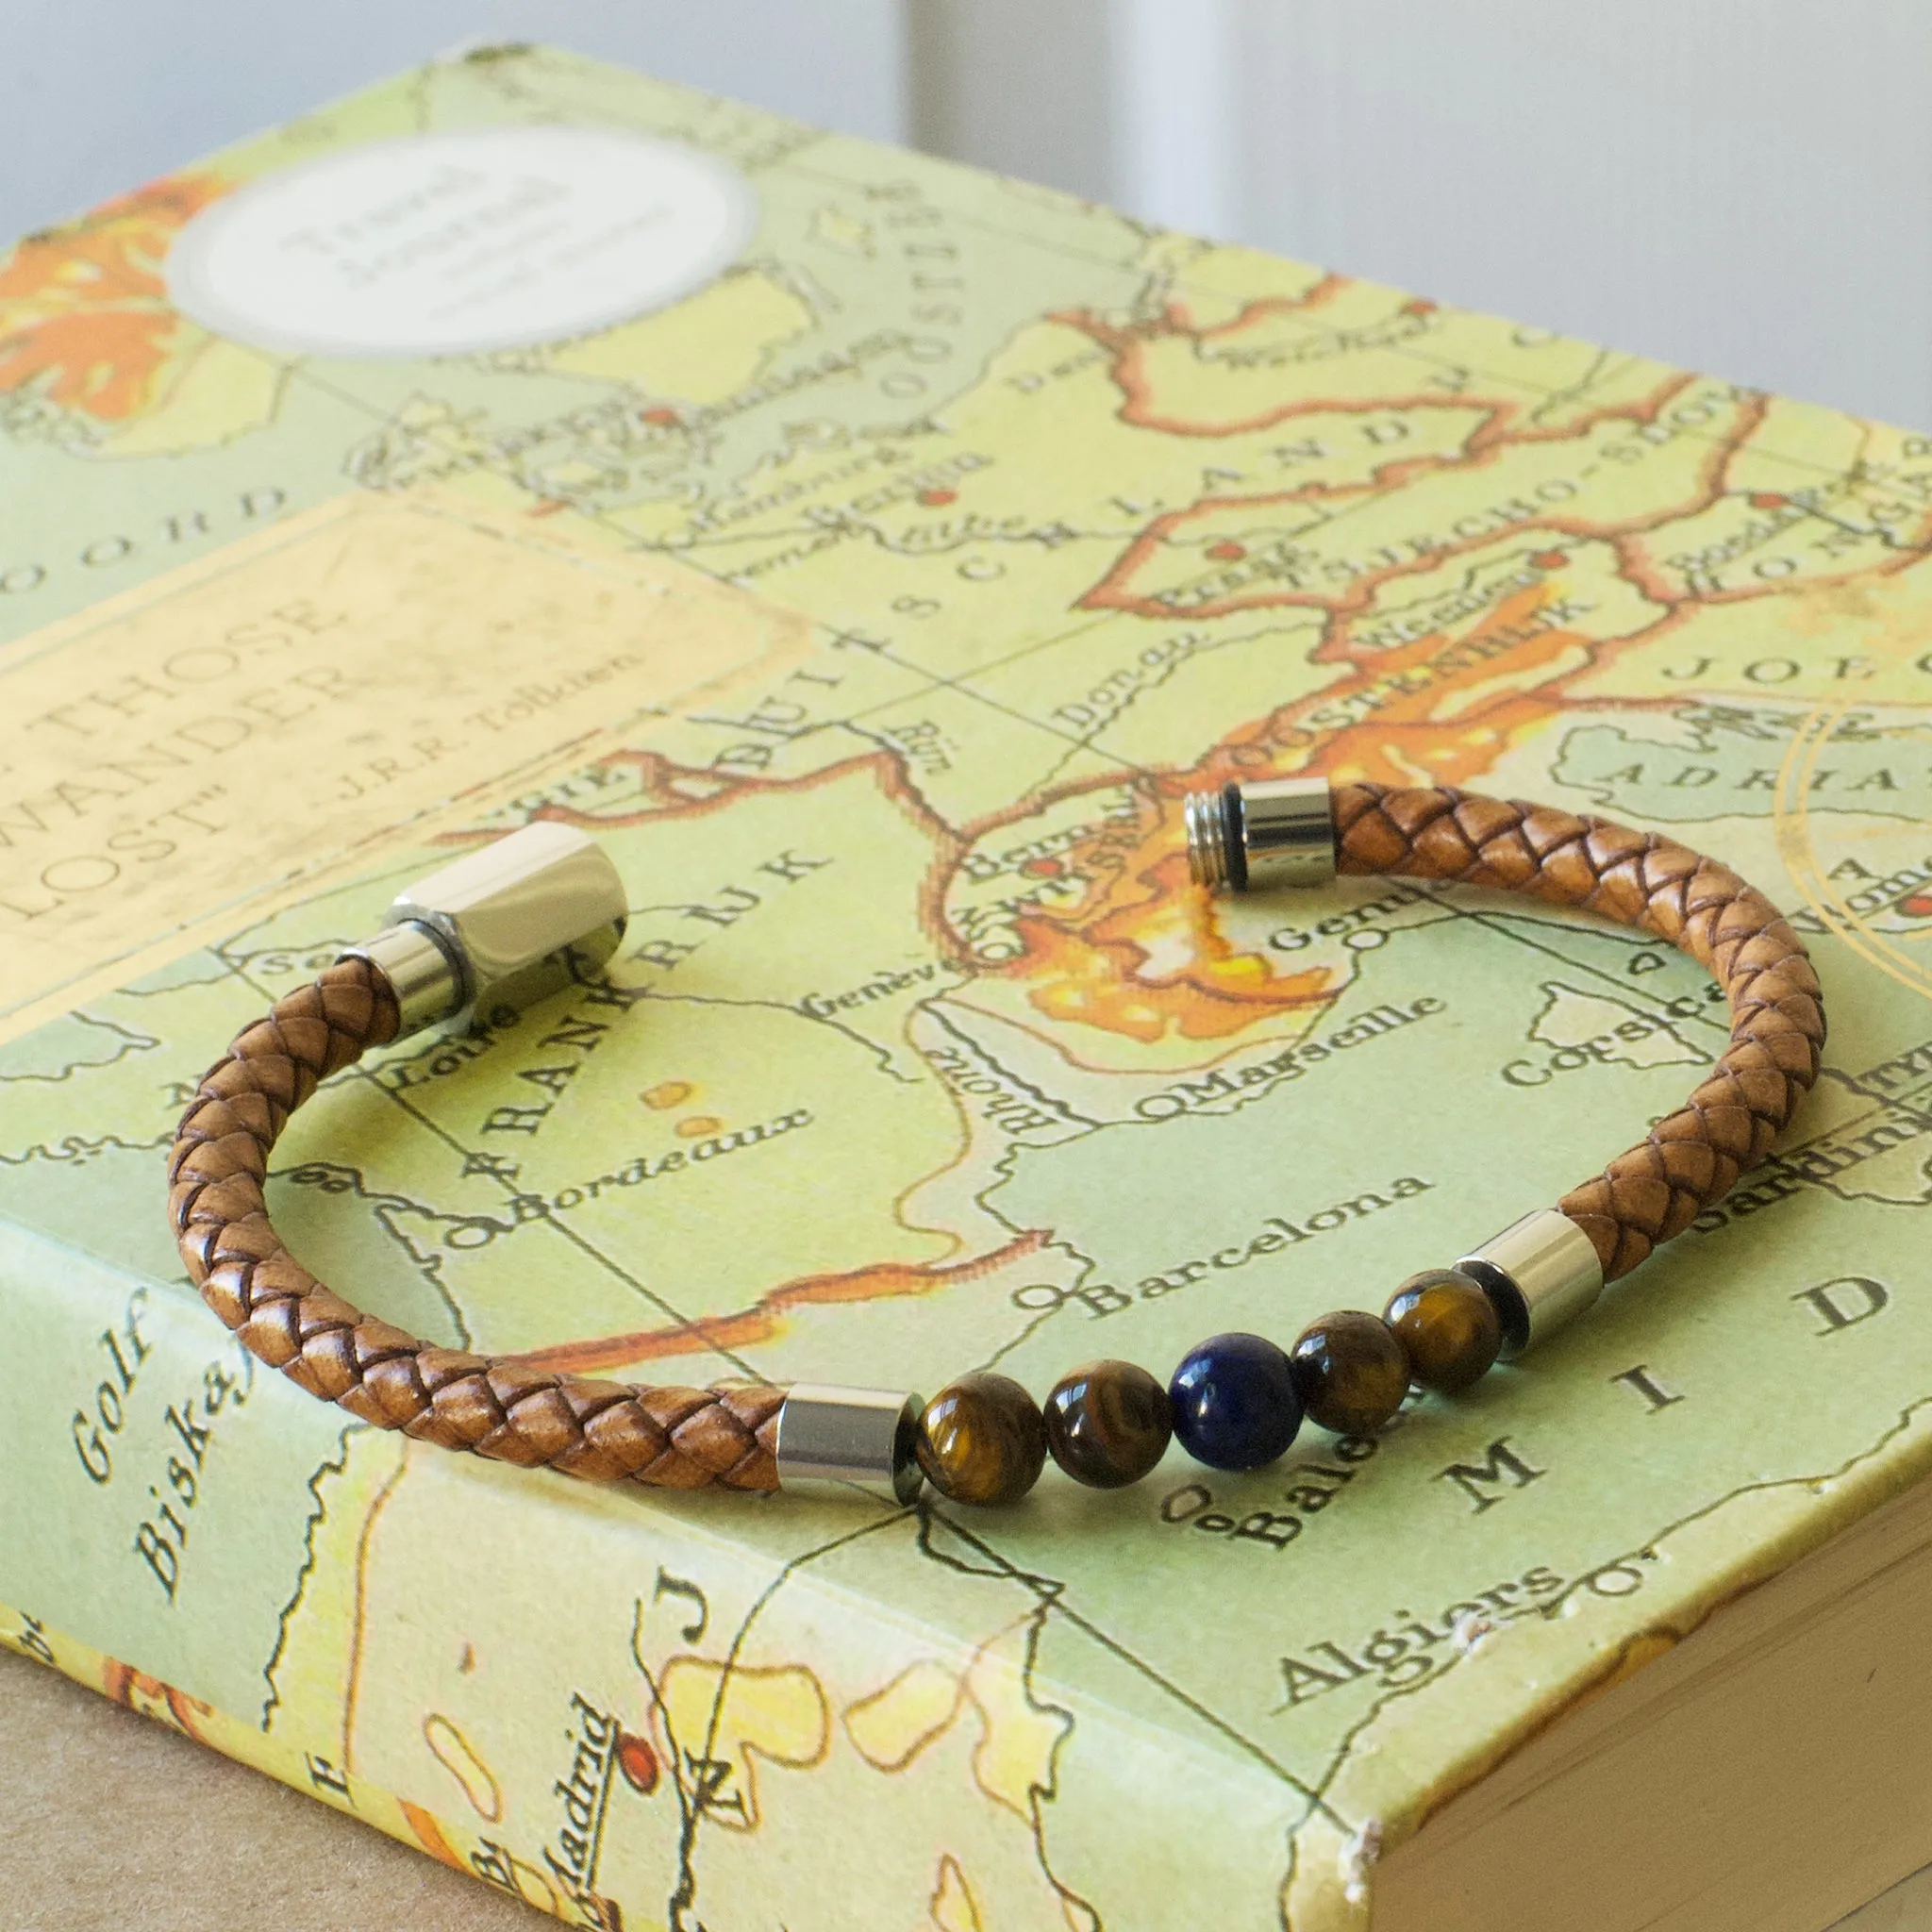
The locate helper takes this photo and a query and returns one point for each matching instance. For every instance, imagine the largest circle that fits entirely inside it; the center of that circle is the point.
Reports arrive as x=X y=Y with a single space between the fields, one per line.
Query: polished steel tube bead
x=1540 y=1272
x=1249 y=837
x=831 y=1434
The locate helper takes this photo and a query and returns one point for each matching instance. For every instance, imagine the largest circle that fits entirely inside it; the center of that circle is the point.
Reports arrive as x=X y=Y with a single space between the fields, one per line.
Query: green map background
x=1084 y=514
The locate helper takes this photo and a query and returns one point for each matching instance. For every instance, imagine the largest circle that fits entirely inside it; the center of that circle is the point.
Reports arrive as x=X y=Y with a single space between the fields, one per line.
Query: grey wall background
x=96 y=95
x=1744 y=186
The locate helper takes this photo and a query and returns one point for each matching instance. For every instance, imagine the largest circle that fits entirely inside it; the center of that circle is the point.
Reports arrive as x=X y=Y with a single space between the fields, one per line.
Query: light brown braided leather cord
x=1689 y=1161
x=680 y=1438
x=693 y=1437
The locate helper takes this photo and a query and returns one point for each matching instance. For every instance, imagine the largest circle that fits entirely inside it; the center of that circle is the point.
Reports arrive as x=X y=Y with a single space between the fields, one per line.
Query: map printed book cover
x=876 y=596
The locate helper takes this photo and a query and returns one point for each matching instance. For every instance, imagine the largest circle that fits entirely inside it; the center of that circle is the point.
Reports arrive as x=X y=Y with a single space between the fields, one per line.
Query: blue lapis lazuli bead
x=1234 y=1401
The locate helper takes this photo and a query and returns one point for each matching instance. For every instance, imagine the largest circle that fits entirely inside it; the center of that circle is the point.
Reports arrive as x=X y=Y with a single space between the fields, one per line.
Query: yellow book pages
x=987 y=523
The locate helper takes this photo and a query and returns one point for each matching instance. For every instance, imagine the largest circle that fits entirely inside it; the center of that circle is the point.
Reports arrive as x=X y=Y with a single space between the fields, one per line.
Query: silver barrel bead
x=1540 y=1272
x=830 y=1433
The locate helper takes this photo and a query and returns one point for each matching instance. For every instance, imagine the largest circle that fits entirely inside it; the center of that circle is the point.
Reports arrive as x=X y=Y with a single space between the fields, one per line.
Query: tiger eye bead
x=1447 y=1327
x=981 y=1440
x=1108 y=1424
x=1350 y=1372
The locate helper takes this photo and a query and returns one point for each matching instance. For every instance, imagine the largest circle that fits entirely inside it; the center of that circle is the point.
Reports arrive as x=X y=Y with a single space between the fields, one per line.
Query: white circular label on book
x=443 y=244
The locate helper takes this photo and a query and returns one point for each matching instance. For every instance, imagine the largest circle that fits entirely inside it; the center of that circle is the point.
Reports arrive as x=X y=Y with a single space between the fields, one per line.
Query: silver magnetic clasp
x=497 y=924
x=830 y=1434
x=1274 y=832
x=1541 y=1273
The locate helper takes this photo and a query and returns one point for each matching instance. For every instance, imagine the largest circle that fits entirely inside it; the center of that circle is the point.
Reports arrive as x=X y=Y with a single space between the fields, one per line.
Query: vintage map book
x=873 y=553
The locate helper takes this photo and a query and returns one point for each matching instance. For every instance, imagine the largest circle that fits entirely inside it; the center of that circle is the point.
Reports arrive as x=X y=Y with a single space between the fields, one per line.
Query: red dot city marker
x=638 y=1763
x=1767 y=499
x=937 y=499
x=1227 y=551
x=1550 y=559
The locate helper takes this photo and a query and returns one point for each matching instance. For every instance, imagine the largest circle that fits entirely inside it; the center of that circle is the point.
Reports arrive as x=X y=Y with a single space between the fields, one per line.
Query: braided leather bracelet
x=475 y=929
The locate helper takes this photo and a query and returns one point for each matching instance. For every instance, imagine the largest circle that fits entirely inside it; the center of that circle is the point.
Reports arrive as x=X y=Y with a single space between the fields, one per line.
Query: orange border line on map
x=1798 y=848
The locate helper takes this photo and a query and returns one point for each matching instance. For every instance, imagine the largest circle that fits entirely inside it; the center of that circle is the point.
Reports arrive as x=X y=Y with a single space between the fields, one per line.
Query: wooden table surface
x=110 y=1823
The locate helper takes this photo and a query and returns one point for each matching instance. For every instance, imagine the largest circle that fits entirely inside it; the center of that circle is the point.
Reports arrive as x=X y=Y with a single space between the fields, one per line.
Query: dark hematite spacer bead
x=1235 y=1405
x=1447 y=1327
x=1108 y=1424
x=1350 y=1372
x=981 y=1440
